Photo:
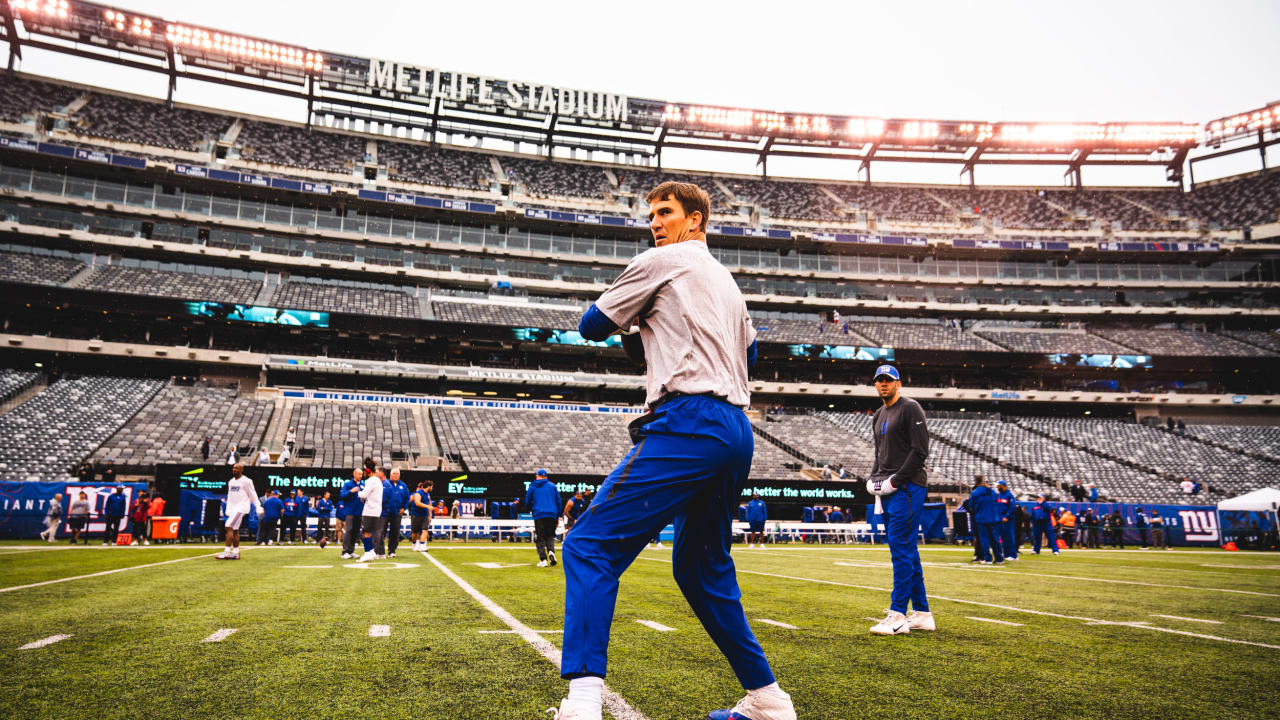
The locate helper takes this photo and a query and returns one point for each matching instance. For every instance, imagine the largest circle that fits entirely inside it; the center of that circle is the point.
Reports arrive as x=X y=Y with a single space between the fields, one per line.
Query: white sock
x=586 y=690
x=226 y=550
x=770 y=689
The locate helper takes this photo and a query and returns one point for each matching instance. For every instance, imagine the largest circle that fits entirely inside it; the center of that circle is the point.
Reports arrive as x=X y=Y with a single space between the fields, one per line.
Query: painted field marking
x=381 y=566
x=379 y=631
x=1241 y=567
x=104 y=572
x=307 y=567
x=45 y=641
x=1045 y=613
x=1262 y=617
x=1179 y=617
x=997 y=622
x=497 y=566
x=220 y=635
x=775 y=623
x=617 y=706
x=516 y=632
x=656 y=626
x=1085 y=578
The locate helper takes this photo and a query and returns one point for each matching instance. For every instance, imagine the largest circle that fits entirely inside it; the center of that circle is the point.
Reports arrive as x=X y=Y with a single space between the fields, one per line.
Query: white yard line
x=307 y=567
x=379 y=631
x=1261 y=617
x=1179 y=617
x=617 y=706
x=46 y=641
x=220 y=635
x=1045 y=613
x=656 y=626
x=104 y=572
x=1085 y=578
x=775 y=623
x=997 y=622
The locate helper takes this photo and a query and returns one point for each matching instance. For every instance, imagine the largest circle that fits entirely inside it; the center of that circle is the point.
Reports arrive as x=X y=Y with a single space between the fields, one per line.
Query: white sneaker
x=760 y=706
x=222 y=556
x=366 y=557
x=921 y=621
x=543 y=563
x=659 y=544
x=570 y=710
x=895 y=623
x=346 y=556
x=391 y=555
x=379 y=557
x=135 y=542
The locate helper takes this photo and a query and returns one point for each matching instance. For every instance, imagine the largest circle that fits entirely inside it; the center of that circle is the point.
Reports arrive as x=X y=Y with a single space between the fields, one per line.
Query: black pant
x=289 y=528
x=1142 y=533
x=113 y=529
x=139 y=530
x=393 y=532
x=352 y=530
x=267 y=530
x=544 y=536
x=322 y=527
x=377 y=529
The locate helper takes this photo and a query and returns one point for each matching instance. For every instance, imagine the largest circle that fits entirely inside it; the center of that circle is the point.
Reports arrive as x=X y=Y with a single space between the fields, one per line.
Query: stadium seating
x=160 y=283
x=825 y=442
x=435 y=166
x=1225 y=472
x=1051 y=341
x=1265 y=339
x=1257 y=439
x=170 y=428
x=932 y=335
x=298 y=147
x=1238 y=202
x=894 y=203
x=342 y=434
x=506 y=315
x=543 y=178
x=793 y=200
x=1165 y=341
x=46 y=436
x=21 y=95
x=13 y=382
x=815 y=331
x=21 y=267
x=149 y=123
x=641 y=182
x=330 y=297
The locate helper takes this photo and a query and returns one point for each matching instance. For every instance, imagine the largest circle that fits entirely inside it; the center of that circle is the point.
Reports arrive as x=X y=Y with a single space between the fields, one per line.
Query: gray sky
x=988 y=61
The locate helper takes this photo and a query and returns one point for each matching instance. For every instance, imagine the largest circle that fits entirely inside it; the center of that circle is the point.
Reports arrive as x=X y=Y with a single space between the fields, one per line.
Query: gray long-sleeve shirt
x=902 y=441
x=55 y=509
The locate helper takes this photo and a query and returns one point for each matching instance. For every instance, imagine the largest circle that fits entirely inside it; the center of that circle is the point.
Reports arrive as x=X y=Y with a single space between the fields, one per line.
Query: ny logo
x=1199 y=525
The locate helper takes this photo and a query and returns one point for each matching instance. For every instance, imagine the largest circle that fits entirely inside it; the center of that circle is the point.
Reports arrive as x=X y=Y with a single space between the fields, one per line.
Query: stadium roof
x=399 y=97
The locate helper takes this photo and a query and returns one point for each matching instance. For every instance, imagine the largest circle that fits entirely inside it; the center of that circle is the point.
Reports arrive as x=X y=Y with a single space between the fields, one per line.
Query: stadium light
x=37 y=9
x=1267 y=118
x=241 y=48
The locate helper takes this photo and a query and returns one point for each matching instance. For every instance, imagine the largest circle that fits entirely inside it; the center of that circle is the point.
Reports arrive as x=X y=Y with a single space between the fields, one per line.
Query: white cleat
x=759 y=705
x=347 y=556
x=366 y=557
x=570 y=710
x=659 y=545
x=542 y=563
x=895 y=623
x=921 y=621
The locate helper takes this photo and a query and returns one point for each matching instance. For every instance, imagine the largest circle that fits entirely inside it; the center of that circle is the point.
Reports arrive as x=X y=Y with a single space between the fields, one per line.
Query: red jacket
x=138 y=511
x=157 y=506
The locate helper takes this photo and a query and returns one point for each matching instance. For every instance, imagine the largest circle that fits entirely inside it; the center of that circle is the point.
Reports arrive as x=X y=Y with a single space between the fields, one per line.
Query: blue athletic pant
x=902 y=512
x=989 y=535
x=688 y=466
x=1045 y=527
x=1009 y=538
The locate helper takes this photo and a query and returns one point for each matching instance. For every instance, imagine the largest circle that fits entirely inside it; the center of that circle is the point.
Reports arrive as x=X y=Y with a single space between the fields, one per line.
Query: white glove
x=882 y=487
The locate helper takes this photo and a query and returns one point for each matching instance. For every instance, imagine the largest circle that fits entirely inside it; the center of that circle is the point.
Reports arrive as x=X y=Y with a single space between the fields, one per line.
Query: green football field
x=1089 y=634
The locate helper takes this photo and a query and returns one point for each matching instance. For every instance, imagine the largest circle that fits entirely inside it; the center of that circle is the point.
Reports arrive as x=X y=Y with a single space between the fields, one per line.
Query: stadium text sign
x=463 y=88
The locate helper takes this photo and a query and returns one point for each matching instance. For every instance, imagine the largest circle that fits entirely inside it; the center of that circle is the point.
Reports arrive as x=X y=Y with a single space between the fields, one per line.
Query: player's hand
x=881 y=487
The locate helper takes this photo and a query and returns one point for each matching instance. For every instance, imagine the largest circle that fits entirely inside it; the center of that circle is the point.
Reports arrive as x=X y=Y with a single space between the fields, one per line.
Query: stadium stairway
x=268 y=289
x=277 y=426
x=803 y=459
x=24 y=395
x=426 y=440
x=80 y=278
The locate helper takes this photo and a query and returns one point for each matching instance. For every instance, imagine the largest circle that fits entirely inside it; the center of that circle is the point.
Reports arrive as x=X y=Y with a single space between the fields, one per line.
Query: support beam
x=866 y=160
x=971 y=163
x=172 y=62
x=763 y=160
x=657 y=150
x=11 y=34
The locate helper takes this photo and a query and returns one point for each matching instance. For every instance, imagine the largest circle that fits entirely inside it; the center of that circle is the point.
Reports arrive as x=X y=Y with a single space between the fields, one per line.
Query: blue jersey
x=425 y=497
x=757 y=512
x=1041 y=512
x=324 y=508
x=542 y=499
x=291 y=507
x=1005 y=503
x=115 y=505
x=395 y=496
x=272 y=508
x=982 y=503
x=351 y=502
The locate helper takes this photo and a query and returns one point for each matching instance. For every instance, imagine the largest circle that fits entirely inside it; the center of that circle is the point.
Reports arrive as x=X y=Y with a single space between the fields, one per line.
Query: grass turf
x=302 y=647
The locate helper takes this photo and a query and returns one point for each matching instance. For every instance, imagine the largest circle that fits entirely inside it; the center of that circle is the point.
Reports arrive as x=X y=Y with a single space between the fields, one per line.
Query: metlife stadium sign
x=455 y=87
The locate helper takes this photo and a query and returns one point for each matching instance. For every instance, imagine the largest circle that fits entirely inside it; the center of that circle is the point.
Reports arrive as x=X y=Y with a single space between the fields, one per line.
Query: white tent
x=1264 y=500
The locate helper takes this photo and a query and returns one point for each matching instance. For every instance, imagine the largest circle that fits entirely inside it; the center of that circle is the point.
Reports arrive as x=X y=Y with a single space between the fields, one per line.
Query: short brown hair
x=691 y=197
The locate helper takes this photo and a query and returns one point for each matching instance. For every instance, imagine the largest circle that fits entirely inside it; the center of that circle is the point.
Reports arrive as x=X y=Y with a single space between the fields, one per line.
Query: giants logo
x=1199 y=525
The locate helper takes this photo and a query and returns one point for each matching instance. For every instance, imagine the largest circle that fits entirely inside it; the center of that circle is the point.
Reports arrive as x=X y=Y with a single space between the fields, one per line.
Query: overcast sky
x=990 y=61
